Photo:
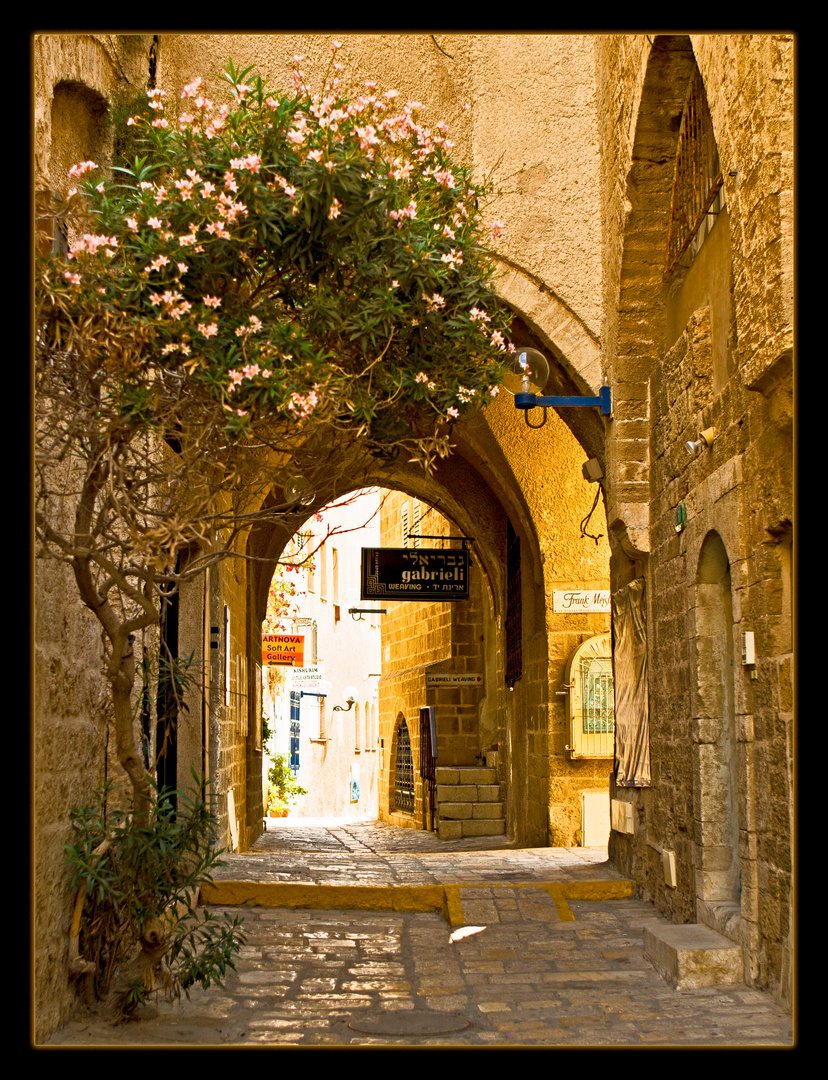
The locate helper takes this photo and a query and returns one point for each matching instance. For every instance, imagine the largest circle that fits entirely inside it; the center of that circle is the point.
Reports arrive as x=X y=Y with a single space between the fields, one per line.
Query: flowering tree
x=273 y=273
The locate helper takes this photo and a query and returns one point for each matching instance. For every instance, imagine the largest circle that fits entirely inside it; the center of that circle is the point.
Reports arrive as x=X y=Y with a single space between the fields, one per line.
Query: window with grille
x=403 y=772
x=295 y=710
x=698 y=178
x=591 y=699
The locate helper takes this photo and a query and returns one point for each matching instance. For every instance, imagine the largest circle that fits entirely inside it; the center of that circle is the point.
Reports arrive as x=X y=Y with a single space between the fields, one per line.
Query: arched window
x=403 y=790
x=697 y=185
x=591 y=700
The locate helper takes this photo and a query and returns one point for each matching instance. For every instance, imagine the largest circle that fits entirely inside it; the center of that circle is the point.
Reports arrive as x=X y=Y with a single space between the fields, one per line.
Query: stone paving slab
x=517 y=957
x=375 y=853
x=519 y=977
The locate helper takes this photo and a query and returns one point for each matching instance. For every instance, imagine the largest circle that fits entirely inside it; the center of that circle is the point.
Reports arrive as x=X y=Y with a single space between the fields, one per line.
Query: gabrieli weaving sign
x=414 y=574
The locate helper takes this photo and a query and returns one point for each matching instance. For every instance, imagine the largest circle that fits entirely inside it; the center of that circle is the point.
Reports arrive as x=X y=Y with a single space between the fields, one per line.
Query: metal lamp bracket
x=527 y=401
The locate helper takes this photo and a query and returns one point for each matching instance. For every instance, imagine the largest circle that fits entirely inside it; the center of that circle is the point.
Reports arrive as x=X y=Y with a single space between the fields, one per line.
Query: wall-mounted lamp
x=528 y=377
x=323 y=691
x=705 y=439
x=356 y=613
x=298 y=489
x=351 y=694
x=360 y=611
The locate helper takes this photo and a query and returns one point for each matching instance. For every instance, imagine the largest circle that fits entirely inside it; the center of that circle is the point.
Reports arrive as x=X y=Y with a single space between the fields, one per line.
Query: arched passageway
x=518 y=498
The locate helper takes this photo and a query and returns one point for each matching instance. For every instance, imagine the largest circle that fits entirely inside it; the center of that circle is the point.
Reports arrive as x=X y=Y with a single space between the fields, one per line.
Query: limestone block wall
x=235 y=762
x=547 y=466
x=76 y=78
x=710 y=347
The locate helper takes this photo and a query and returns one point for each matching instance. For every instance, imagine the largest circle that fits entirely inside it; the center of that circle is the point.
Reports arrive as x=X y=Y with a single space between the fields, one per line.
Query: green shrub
x=141 y=931
x=282 y=787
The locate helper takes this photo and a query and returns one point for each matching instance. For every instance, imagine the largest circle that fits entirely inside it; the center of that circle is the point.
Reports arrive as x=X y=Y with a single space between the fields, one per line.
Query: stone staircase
x=469 y=802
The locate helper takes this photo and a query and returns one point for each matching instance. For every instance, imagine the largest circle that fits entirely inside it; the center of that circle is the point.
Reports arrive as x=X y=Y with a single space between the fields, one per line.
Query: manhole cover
x=409 y=1023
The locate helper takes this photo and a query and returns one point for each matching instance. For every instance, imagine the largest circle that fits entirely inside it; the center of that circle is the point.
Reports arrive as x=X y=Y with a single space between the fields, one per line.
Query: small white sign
x=304 y=676
x=453 y=678
x=578 y=601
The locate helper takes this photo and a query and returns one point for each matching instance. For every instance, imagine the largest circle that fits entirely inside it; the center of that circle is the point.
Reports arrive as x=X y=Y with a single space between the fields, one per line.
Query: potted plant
x=282 y=788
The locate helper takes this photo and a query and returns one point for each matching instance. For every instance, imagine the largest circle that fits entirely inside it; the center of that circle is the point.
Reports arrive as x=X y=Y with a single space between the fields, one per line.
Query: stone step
x=689 y=956
x=465 y=774
x=456 y=830
x=468 y=811
x=468 y=793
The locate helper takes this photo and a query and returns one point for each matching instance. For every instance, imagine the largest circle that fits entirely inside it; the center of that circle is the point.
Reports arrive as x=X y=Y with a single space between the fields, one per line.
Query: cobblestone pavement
x=515 y=974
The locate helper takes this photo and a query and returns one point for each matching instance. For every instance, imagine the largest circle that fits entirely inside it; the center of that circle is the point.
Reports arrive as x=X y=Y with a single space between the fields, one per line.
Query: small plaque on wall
x=581 y=601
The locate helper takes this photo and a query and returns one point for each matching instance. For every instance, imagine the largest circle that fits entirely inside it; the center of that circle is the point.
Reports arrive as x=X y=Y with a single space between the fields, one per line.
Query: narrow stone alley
x=363 y=935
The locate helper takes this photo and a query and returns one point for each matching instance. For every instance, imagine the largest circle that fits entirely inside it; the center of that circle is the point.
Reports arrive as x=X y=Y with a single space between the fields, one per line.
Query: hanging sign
x=579 y=601
x=283 y=649
x=306 y=676
x=414 y=574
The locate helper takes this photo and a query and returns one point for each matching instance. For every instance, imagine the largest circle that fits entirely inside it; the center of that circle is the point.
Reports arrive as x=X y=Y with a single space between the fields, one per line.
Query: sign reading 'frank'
x=414 y=574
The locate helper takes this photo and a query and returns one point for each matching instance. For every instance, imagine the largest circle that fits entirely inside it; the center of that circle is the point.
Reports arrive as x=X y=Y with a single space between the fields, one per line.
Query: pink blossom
x=74 y=279
x=208 y=329
x=217 y=229
x=250 y=163
x=336 y=207
x=496 y=228
x=81 y=168
x=191 y=89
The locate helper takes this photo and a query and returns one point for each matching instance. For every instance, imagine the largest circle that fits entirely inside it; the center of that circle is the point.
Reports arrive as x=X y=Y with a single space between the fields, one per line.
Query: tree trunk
x=129 y=754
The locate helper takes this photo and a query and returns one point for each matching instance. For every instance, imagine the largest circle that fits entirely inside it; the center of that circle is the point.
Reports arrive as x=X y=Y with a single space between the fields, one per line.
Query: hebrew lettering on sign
x=414 y=574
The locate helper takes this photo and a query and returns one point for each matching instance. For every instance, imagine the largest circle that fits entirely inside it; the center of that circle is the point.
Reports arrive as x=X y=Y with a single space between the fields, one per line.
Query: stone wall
x=708 y=346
